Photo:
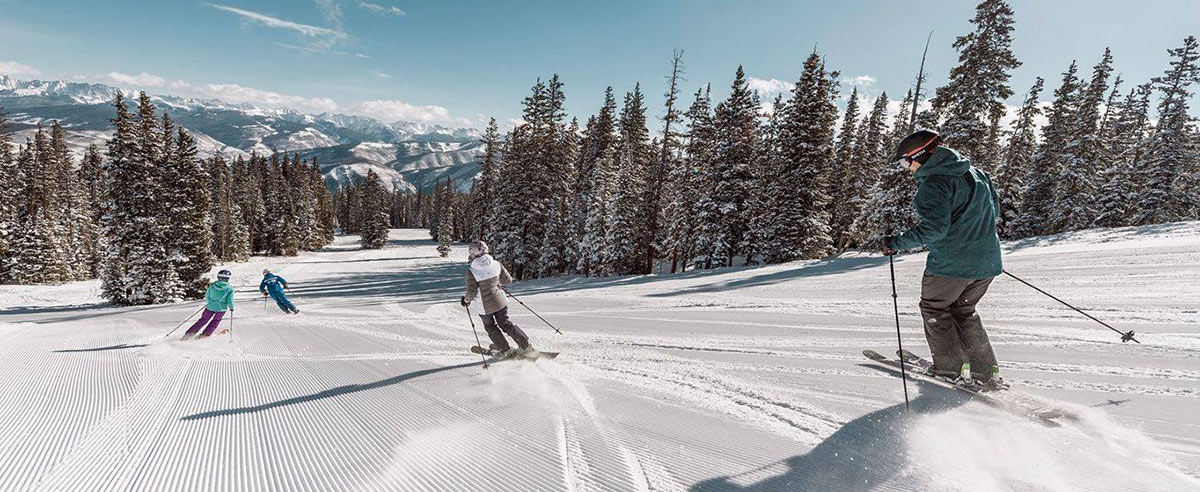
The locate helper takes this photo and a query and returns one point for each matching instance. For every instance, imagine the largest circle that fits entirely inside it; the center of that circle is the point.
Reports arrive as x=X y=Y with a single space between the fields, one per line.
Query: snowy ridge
x=735 y=380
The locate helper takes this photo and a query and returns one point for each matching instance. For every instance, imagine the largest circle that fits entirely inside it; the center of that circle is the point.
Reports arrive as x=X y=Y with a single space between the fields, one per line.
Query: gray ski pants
x=952 y=327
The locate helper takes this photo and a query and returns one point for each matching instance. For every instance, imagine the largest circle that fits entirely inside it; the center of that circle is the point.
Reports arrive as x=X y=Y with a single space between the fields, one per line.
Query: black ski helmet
x=918 y=146
x=224 y=275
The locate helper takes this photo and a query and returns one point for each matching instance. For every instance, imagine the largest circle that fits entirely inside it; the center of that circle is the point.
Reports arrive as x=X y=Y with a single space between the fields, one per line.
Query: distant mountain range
x=408 y=156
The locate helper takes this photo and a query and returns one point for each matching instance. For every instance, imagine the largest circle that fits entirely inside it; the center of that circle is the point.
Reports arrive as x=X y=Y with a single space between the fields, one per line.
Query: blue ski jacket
x=272 y=284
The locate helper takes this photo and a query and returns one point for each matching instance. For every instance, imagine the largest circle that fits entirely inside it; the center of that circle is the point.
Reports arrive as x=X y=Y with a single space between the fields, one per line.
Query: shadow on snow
x=861 y=455
x=101 y=349
x=330 y=393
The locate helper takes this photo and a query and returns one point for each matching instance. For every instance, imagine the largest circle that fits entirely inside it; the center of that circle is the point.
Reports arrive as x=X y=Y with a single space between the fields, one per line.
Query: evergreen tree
x=36 y=257
x=11 y=191
x=485 y=184
x=889 y=209
x=806 y=138
x=445 y=231
x=373 y=227
x=866 y=166
x=136 y=268
x=735 y=126
x=1040 y=184
x=1018 y=160
x=593 y=178
x=844 y=189
x=1075 y=195
x=684 y=191
x=1170 y=167
x=973 y=100
x=627 y=220
x=186 y=186
x=1126 y=146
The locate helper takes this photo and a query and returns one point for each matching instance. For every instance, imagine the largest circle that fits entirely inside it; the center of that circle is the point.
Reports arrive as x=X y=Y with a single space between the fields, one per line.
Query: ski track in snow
x=738 y=379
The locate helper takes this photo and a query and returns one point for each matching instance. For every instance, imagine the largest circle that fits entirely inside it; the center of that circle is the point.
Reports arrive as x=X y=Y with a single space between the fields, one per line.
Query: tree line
x=147 y=216
x=747 y=181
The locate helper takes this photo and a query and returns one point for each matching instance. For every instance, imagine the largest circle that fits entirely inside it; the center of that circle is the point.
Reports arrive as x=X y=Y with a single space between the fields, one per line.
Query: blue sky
x=459 y=62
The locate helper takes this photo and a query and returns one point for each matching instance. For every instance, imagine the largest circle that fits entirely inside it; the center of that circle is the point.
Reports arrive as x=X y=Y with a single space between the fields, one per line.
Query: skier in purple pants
x=218 y=299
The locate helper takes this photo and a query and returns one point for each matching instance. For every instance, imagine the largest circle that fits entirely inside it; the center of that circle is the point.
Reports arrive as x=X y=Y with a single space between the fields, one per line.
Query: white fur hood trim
x=484 y=267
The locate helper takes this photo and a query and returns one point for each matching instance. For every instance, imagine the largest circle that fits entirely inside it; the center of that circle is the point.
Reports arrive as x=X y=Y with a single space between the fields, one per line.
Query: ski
x=531 y=356
x=1019 y=398
x=1008 y=400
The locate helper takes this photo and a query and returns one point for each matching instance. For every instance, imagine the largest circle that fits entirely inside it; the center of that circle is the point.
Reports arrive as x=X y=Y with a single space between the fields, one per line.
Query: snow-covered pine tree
x=1041 y=182
x=326 y=218
x=974 y=97
x=1017 y=161
x=71 y=216
x=766 y=171
x=1075 y=193
x=626 y=207
x=735 y=124
x=867 y=164
x=666 y=150
x=843 y=182
x=279 y=226
x=135 y=266
x=593 y=178
x=445 y=232
x=889 y=209
x=683 y=191
x=806 y=140
x=11 y=190
x=374 y=221
x=485 y=184
x=186 y=185
x=35 y=256
x=1170 y=169
x=1126 y=147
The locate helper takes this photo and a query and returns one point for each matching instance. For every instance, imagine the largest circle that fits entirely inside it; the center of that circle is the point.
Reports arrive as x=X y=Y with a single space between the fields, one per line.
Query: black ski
x=1009 y=400
x=531 y=356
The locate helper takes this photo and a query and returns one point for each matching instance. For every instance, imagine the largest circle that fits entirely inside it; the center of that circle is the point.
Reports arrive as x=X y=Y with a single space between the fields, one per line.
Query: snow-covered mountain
x=408 y=155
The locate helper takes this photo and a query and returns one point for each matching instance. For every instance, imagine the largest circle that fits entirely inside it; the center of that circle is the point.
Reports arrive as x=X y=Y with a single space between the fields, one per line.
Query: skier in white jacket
x=487 y=278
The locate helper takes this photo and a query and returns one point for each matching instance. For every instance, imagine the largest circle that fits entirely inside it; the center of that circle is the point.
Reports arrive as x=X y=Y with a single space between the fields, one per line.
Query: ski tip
x=871 y=354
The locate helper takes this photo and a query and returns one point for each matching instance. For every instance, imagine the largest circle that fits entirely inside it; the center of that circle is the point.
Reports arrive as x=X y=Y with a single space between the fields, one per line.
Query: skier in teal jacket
x=218 y=299
x=958 y=207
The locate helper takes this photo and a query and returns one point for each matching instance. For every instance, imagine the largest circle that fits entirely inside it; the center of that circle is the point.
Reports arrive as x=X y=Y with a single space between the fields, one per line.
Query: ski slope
x=740 y=379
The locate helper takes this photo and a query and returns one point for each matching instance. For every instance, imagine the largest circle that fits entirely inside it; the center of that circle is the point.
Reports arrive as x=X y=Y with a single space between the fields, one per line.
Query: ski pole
x=899 y=345
x=476 y=332
x=532 y=311
x=230 y=326
x=184 y=321
x=1125 y=336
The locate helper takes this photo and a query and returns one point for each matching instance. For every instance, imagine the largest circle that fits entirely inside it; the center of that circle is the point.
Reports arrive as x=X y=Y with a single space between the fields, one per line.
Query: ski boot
x=965 y=379
x=187 y=336
x=994 y=382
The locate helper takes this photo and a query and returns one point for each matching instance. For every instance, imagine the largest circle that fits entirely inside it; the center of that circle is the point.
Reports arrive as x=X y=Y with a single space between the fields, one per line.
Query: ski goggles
x=906 y=160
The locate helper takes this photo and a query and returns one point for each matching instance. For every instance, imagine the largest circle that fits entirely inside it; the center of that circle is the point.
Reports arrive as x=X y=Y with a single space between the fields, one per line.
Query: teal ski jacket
x=958 y=207
x=219 y=297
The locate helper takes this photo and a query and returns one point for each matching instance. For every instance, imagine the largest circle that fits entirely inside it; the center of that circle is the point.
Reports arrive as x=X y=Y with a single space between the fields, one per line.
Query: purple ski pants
x=205 y=317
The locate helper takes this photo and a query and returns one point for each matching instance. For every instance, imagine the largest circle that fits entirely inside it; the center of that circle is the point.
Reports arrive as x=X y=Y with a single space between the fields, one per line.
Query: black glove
x=885 y=245
x=463 y=300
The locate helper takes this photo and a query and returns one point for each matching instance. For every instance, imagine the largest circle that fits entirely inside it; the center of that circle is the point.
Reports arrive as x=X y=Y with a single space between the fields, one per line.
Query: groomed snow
x=737 y=379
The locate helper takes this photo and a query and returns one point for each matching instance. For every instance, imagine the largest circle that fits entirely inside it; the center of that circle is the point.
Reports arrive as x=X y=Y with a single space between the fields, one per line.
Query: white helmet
x=477 y=249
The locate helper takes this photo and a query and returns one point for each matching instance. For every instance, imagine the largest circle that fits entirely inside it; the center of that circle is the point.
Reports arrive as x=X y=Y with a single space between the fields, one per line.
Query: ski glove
x=885 y=245
x=463 y=300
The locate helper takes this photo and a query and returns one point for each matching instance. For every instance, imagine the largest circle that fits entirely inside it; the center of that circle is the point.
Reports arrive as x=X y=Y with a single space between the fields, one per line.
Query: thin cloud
x=16 y=69
x=266 y=20
x=331 y=11
x=382 y=75
x=380 y=9
x=235 y=93
x=391 y=110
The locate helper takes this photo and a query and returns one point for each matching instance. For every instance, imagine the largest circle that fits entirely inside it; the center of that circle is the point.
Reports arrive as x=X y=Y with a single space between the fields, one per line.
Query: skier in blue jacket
x=273 y=285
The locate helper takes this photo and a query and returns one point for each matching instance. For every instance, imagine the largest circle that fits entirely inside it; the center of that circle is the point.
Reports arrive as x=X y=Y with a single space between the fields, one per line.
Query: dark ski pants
x=213 y=319
x=498 y=322
x=282 y=301
x=952 y=327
